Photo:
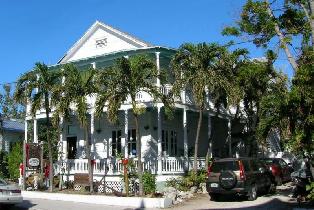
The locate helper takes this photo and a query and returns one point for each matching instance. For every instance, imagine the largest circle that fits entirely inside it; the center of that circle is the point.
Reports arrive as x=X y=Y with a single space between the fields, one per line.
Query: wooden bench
x=81 y=181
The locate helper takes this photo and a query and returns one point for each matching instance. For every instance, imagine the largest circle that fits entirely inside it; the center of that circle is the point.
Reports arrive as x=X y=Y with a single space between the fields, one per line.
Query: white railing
x=112 y=166
x=109 y=166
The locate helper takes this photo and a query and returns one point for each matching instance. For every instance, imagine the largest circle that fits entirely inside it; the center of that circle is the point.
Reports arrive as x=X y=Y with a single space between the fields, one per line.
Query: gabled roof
x=126 y=37
x=12 y=125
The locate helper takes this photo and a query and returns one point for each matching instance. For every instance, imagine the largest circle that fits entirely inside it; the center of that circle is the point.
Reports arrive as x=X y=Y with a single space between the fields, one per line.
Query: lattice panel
x=113 y=186
x=77 y=187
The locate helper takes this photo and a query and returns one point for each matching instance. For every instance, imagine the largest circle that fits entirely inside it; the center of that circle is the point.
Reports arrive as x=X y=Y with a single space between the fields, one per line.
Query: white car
x=9 y=194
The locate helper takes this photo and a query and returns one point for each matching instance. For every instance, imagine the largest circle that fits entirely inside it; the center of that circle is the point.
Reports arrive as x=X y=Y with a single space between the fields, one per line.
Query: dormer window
x=100 y=43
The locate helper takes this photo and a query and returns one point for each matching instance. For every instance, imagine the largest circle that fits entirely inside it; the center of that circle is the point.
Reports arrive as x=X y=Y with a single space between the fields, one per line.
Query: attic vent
x=100 y=43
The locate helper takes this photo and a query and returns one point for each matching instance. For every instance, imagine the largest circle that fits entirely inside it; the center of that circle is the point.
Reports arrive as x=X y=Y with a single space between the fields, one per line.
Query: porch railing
x=112 y=166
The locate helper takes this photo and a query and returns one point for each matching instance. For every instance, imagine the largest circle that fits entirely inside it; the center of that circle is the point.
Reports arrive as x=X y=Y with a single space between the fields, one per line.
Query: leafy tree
x=284 y=22
x=15 y=157
x=259 y=82
x=35 y=87
x=124 y=81
x=290 y=111
x=291 y=24
x=9 y=108
x=205 y=69
x=76 y=87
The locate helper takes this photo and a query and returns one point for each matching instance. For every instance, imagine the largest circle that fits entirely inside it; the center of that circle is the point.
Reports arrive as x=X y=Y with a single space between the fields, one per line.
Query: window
x=169 y=142
x=116 y=142
x=71 y=130
x=132 y=142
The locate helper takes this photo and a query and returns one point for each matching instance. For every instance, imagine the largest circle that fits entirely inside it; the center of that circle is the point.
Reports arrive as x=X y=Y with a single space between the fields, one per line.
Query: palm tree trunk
x=89 y=159
x=208 y=153
x=49 y=142
x=197 y=139
x=139 y=156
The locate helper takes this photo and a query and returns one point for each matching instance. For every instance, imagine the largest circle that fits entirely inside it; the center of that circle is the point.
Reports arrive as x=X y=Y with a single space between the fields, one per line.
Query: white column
x=158 y=67
x=185 y=139
x=92 y=129
x=229 y=137
x=94 y=65
x=210 y=145
x=125 y=139
x=35 y=140
x=159 y=146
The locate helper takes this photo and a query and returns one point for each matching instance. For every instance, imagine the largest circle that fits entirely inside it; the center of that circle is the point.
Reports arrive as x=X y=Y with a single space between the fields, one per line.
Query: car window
x=246 y=165
x=268 y=161
x=225 y=166
x=282 y=163
x=2 y=182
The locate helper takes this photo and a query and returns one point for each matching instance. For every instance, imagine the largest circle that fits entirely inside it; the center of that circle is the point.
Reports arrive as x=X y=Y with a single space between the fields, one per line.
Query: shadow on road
x=280 y=200
x=23 y=206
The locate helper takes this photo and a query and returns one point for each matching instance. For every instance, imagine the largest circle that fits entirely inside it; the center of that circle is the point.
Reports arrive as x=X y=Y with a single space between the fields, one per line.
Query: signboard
x=33 y=162
x=33 y=151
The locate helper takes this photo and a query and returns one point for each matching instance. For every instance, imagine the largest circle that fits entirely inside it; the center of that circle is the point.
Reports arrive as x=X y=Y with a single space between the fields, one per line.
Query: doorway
x=71 y=145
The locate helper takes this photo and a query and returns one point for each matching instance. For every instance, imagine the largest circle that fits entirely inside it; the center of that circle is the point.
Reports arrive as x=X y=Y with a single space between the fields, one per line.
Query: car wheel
x=252 y=194
x=278 y=180
x=214 y=196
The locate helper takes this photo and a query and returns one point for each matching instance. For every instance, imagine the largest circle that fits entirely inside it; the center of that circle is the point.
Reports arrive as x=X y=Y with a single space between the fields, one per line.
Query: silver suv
x=243 y=176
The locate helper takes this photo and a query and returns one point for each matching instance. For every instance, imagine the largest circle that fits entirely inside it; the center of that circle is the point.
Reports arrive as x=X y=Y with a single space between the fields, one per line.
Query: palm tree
x=34 y=87
x=196 y=67
x=72 y=95
x=122 y=81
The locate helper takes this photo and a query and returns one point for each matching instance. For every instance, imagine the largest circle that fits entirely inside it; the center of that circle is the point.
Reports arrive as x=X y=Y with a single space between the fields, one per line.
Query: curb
x=136 y=202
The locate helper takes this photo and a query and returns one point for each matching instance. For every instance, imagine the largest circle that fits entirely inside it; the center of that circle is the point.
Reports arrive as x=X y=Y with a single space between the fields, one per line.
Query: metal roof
x=12 y=125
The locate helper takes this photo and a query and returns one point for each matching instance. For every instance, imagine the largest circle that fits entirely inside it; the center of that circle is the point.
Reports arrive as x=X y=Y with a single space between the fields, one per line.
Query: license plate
x=214 y=185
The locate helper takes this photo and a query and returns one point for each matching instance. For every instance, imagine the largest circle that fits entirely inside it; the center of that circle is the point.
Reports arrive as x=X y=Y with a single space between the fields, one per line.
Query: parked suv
x=243 y=176
x=279 y=168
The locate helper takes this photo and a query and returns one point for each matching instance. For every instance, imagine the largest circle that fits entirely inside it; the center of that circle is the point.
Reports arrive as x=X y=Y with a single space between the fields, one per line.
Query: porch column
x=124 y=141
x=159 y=146
x=92 y=128
x=35 y=139
x=210 y=143
x=229 y=137
x=185 y=139
x=158 y=67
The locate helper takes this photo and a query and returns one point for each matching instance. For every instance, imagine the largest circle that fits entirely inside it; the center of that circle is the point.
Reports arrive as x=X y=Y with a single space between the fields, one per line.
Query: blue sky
x=37 y=30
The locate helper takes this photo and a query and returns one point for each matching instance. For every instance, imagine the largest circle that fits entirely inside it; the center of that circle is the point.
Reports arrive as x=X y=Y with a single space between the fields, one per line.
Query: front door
x=71 y=141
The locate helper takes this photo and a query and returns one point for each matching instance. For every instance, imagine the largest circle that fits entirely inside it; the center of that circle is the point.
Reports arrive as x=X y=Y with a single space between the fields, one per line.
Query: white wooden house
x=167 y=145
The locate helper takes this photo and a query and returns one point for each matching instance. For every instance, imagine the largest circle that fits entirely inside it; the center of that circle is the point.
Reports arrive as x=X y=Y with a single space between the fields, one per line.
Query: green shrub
x=310 y=188
x=4 y=173
x=149 y=183
x=15 y=157
x=188 y=181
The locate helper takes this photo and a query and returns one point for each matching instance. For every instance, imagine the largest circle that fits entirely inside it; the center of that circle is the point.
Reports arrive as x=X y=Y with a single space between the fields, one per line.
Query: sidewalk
x=137 y=202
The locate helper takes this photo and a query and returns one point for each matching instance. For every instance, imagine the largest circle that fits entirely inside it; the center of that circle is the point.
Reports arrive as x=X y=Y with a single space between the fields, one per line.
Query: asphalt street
x=278 y=201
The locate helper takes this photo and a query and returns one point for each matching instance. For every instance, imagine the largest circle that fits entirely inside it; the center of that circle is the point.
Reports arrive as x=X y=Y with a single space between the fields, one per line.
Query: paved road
x=278 y=201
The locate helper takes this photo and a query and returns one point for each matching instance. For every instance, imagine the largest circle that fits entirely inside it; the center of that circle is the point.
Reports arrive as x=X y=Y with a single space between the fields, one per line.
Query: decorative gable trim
x=123 y=36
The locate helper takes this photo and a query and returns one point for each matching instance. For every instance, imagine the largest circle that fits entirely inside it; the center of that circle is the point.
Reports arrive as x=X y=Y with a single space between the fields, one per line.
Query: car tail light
x=209 y=169
x=242 y=175
x=16 y=191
